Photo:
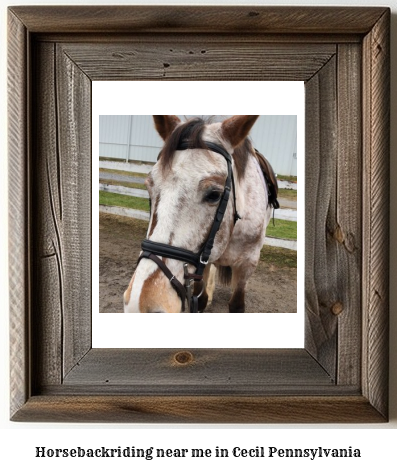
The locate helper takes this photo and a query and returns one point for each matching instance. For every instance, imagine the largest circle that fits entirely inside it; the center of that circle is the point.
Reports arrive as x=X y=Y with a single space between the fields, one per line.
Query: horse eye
x=213 y=196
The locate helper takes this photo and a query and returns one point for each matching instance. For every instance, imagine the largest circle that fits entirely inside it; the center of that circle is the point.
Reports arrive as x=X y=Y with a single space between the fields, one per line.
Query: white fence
x=285 y=214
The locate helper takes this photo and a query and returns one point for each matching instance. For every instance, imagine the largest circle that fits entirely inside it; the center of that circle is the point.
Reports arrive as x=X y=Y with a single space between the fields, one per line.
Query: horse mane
x=192 y=132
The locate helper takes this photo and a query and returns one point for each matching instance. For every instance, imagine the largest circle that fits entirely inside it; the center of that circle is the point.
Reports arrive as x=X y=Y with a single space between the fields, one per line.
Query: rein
x=152 y=250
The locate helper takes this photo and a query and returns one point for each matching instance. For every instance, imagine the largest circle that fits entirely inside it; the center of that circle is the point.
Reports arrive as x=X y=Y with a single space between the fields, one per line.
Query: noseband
x=152 y=250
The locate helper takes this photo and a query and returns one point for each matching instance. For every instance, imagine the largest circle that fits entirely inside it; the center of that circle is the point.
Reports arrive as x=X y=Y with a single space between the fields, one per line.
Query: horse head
x=187 y=187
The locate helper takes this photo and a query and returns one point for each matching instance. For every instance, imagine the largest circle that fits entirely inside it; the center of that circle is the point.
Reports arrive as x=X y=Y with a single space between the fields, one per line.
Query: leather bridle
x=152 y=250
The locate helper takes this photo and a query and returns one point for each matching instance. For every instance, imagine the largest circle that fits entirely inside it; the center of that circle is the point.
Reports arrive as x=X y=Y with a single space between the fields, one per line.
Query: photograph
x=193 y=206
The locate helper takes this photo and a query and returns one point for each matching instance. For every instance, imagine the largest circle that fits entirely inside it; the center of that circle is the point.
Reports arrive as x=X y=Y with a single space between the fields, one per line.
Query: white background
x=253 y=330
x=377 y=442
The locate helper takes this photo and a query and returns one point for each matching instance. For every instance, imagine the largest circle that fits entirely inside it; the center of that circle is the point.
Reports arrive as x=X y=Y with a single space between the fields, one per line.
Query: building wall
x=134 y=138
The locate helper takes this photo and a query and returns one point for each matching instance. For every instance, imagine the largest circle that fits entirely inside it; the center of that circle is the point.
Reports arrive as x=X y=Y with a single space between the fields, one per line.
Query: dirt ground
x=270 y=289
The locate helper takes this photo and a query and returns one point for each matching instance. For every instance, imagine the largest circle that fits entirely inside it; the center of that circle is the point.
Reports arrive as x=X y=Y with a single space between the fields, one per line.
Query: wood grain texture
x=74 y=125
x=207 y=59
x=18 y=213
x=338 y=377
x=334 y=215
x=346 y=228
x=198 y=19
x=62 y=226
x=208 y=37
x=376 y=92
x=321 y=277
x=48 y=250
x=199 y=409
x=229 y=370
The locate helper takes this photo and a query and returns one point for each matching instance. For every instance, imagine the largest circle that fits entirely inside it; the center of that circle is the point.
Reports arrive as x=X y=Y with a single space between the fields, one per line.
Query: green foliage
x=140 y=186
x=288 y=178
x=279 y=257
x=282 y=229
x=113 y=199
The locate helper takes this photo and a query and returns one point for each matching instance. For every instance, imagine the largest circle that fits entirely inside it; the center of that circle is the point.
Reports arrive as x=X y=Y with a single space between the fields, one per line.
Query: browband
x=210 y=145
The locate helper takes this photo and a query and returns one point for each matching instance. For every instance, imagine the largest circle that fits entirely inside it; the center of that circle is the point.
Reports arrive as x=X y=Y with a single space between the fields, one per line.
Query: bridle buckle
x=189 y=285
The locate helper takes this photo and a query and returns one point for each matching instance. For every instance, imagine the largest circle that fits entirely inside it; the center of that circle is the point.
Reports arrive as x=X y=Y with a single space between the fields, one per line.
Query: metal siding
x=145 y=143
x=114 y=151
x=274 y=136
x=113 y=136
x=114 y=129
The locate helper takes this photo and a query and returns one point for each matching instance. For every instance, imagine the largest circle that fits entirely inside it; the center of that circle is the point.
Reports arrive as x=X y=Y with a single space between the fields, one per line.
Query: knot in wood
x=183 y=358
x=337 y=308
x=338 y=235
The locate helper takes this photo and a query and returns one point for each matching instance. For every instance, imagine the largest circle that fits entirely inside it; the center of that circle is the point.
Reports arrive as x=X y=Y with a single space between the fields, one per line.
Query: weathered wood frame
x=343 y=56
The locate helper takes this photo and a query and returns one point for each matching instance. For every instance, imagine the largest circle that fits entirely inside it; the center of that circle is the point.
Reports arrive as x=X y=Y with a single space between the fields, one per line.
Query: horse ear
x=237 y=128
x=165 y=124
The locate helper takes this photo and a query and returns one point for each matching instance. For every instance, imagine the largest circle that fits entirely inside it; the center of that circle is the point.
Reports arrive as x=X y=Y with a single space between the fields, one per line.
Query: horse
x=211 y=196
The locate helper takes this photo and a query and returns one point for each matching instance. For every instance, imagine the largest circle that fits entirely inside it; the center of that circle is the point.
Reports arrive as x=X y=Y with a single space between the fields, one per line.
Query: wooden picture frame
x=342 y=54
